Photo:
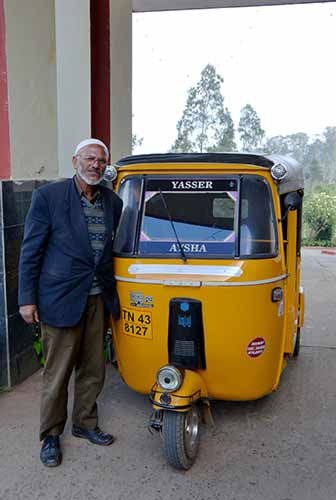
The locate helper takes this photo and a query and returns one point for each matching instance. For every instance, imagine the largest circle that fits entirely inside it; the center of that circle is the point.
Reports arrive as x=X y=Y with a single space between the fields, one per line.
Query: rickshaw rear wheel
x=181 y=436
x=296 y=351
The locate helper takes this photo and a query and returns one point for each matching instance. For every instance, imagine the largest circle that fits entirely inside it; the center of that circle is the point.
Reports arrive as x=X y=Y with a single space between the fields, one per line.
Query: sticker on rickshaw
x=256 y=347
x=138 y=299
x=137 y=323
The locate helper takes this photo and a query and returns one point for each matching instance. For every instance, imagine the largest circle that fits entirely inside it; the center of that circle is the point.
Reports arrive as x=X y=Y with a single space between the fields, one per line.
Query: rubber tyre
x=181 y=436
x=296 y=351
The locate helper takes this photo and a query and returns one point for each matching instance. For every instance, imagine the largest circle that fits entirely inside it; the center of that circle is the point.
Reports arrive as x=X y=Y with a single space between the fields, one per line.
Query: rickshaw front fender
x=192 y=390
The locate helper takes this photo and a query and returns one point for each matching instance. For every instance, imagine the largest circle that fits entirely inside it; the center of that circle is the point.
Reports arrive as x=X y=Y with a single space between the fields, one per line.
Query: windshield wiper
x=183 y=255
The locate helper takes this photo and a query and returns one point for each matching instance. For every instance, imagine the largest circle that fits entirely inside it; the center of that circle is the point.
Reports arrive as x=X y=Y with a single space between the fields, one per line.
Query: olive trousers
x=79 y=349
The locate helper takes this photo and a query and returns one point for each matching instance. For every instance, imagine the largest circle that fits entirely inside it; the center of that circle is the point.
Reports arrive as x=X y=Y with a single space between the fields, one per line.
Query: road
x=282 y=447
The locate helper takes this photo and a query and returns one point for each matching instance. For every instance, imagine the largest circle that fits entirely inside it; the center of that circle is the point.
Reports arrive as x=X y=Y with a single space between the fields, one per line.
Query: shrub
x=320 y=214
x=316 y=243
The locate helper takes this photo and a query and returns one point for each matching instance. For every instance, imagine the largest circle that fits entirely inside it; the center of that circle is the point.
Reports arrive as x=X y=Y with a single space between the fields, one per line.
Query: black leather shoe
x=51 y=455
x=95 y=436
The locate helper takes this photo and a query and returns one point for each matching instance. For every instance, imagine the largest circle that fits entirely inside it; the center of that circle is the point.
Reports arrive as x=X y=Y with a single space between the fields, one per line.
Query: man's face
x=90 y=164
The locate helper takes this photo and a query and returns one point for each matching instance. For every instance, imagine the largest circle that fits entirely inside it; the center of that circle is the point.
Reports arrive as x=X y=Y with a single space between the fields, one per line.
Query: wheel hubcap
x=191 y=431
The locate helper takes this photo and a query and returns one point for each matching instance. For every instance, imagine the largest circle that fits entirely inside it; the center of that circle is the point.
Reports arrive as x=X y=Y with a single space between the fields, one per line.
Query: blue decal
x=184 y=321
x=184 y=306
x=171 y=247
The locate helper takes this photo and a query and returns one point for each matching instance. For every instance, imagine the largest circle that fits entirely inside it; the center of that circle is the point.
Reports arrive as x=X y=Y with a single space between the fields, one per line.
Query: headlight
x=279 y=171
x=169 y=378
x=110 y=173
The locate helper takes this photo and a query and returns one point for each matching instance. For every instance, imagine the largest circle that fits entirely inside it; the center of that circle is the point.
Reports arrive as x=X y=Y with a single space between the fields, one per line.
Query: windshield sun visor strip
x=225 y=271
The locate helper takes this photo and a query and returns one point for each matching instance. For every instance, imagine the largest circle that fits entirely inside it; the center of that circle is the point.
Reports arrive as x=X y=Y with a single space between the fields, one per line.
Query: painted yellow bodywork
x=233 y=315
x=301 y=308
x=193 y=389
x=294 y=312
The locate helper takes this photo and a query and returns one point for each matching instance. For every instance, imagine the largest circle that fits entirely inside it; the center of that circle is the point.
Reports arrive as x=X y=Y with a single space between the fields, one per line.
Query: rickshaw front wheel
x=181 y=436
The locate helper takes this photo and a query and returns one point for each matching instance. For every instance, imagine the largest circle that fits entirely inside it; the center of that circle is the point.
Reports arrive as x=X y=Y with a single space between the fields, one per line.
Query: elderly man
x=66 y=281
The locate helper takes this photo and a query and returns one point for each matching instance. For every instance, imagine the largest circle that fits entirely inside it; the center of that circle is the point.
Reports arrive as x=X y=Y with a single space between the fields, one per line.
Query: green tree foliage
x=318 y=156
x=320 y=214
x=328 y=155
x=314 y=173
x=313 y=164
x=136 y=141
x=224 y=135
x=205 y=124
x=251 y=134
x=295 y=145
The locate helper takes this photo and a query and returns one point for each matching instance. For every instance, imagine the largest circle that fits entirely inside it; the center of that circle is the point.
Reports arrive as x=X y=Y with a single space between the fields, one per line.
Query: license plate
x=136 y=323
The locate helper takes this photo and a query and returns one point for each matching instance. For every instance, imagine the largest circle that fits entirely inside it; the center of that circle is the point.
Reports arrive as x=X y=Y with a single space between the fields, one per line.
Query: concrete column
x=73 y=78
x=121 y=77
x=4 y=118
x=4 y=174
x=31 y=67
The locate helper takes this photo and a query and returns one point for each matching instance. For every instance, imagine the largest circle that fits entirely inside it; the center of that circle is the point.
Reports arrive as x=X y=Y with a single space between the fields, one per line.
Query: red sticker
x=256 y=347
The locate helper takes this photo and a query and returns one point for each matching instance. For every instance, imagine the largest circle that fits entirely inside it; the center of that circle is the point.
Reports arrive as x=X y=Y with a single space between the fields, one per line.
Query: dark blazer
x=56 y=263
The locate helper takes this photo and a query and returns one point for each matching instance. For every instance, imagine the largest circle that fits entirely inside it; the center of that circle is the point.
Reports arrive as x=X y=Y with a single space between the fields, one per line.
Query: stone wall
x=17 y=356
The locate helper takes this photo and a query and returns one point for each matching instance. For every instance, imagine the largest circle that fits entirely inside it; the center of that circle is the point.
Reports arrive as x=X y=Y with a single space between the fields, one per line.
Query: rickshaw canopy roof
x=293 y=181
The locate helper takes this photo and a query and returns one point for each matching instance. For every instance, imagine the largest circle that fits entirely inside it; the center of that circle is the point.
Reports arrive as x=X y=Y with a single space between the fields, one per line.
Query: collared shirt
x=95 y=219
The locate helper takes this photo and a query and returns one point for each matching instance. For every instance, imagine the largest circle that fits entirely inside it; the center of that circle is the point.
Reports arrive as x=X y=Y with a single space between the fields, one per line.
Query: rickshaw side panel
x=293 y=264
x=247 y=323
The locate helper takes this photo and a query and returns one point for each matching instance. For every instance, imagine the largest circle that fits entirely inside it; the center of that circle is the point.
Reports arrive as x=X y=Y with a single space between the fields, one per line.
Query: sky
x=279 y=59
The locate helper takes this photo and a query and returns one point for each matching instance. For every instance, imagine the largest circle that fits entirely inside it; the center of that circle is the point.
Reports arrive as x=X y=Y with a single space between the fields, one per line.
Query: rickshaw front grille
x=184 y=348
x=185 y=335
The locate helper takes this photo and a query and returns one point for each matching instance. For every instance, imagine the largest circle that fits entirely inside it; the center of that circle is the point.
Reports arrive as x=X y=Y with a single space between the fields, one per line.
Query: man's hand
x=29 y=313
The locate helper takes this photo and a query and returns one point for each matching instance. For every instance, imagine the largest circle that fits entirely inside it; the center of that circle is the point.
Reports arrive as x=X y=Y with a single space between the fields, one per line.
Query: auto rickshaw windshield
x=205 y=216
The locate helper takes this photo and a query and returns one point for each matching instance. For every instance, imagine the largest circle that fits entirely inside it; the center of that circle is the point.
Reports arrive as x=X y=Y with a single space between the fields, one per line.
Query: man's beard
x=84 y=178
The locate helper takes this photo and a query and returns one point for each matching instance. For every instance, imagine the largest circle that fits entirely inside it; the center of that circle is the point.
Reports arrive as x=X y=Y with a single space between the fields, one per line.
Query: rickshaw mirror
x=110 y=173
x=292 y=201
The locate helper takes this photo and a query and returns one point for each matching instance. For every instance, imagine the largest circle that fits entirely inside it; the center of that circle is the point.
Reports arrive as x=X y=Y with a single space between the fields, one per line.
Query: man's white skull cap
x=88 y=142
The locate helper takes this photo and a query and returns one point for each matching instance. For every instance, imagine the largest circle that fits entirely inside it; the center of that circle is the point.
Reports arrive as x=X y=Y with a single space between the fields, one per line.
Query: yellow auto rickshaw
x=207 y=267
